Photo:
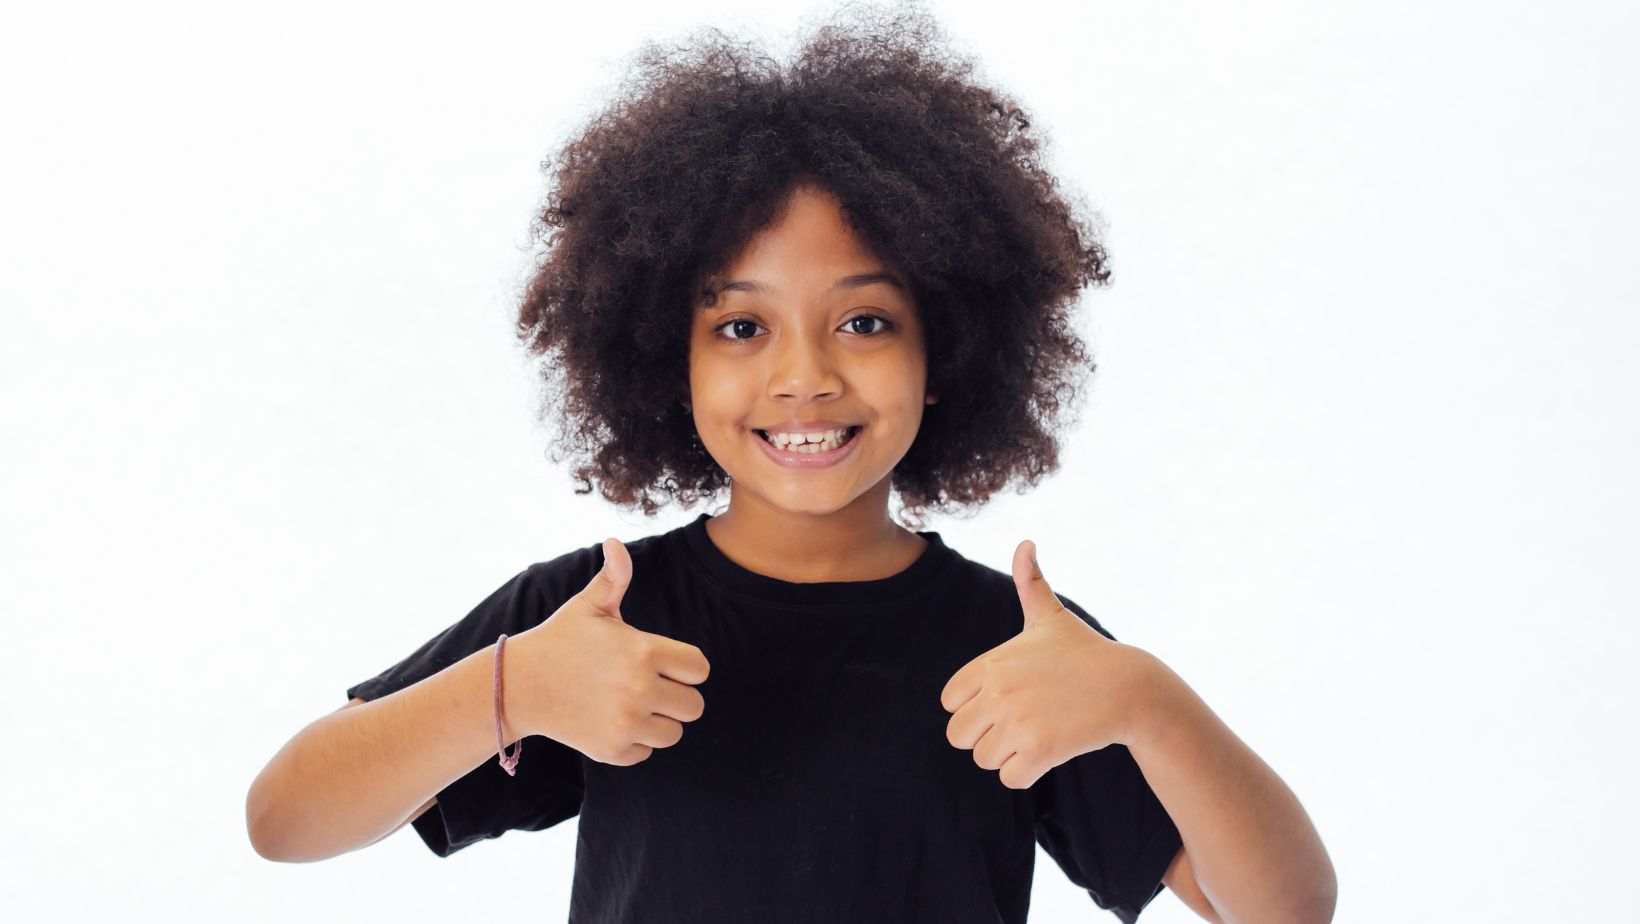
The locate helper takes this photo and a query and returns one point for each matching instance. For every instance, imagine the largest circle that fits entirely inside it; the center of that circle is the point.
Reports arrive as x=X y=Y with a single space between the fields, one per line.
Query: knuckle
x=643 y=648
x=626 y=727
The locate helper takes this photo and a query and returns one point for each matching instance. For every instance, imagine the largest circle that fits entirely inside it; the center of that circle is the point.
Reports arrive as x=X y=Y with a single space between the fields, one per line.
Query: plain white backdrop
x=1359 y=462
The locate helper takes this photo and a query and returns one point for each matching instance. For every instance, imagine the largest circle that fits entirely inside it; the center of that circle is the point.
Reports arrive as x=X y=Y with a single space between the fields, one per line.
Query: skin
x=802 y=350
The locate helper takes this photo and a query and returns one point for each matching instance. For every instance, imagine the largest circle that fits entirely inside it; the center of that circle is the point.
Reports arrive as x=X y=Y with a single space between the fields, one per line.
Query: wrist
x=514 y=718
x=1160 y=698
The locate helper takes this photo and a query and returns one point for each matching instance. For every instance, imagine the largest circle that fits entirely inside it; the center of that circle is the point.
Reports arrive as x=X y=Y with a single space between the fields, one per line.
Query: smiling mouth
x=849 y=434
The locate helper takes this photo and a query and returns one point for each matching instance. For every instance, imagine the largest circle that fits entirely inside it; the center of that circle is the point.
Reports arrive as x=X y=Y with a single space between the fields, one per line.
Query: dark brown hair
x=700 y=149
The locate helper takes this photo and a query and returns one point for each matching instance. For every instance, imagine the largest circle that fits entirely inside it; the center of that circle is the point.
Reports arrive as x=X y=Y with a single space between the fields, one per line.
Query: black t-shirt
x=818 y=785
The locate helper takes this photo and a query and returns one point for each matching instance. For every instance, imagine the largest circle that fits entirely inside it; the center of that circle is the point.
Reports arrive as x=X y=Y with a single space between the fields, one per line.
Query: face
x=797 y=336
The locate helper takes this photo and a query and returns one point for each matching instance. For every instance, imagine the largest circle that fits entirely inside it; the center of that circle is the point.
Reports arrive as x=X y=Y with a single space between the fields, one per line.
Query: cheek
x=704 y=374
x=899 y=387
x=720 y=394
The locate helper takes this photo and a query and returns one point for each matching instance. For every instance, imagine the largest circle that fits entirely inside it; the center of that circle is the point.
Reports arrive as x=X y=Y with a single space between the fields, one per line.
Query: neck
x=860 y=542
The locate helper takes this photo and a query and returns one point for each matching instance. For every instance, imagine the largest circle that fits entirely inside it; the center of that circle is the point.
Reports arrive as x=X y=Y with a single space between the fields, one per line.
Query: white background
x=1359 y=461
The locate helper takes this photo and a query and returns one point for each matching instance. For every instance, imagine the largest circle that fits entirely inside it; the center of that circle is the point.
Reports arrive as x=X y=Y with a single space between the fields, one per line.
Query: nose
x=803 y=367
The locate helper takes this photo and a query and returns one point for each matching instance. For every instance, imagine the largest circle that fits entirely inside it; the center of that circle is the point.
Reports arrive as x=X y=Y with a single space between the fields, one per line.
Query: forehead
x=812 y=219
x=809 y=249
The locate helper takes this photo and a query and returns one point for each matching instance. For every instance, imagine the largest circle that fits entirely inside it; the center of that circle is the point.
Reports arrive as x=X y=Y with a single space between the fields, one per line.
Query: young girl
x=813 y=288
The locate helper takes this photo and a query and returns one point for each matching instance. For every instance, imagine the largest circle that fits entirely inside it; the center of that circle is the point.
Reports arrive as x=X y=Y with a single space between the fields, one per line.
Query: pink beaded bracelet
x=509 y=762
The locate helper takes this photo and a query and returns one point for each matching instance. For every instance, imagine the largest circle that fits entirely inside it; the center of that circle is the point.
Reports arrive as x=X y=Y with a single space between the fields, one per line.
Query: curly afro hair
x=937 y=175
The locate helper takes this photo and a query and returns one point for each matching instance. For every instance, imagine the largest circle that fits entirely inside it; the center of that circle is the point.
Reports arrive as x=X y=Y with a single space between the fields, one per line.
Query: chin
x=797 y=498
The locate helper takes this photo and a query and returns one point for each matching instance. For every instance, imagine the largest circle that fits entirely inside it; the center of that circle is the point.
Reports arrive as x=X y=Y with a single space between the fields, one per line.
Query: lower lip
x=808 y=459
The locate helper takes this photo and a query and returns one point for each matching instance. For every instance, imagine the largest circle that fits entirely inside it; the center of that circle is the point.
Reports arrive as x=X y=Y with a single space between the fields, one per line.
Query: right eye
x=718 y=330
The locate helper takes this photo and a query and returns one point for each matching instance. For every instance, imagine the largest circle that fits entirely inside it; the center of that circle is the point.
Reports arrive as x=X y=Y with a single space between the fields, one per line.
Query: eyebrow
x=854 y=281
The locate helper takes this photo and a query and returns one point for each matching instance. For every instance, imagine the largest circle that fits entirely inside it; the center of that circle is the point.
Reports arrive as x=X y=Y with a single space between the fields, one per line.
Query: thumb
x=1035 y=596
x=608 y=586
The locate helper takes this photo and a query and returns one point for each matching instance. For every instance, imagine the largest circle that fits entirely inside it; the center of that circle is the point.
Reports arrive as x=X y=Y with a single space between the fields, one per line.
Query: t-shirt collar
x=718 y=567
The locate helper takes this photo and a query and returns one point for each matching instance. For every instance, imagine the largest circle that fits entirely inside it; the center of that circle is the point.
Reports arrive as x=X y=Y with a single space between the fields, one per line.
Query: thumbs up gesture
x=1056 y=690
x=586 y=678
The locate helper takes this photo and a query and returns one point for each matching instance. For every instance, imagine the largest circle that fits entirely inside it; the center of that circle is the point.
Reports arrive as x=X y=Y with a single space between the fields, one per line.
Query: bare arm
x=424 y=806
x=356 y=775
x=1182 y=881
x=1252 y=849
x=582 y=677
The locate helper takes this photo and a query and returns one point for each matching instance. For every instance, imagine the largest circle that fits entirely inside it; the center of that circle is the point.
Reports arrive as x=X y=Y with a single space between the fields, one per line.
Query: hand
x=1058 y=689
x=606 y=689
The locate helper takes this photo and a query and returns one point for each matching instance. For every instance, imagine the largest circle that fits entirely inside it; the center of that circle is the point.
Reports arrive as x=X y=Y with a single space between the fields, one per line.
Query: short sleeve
x=1098 y=818
x=486 y=802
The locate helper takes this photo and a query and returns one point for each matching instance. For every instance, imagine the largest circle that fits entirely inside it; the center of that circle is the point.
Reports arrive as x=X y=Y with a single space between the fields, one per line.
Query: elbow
x=262 y=849
x=278 y=834
x=1317 y=908
x=1326 y=907
x=262 y=825
x=1318 y=901
x=1321 y=906
x=256 y=825
x=270 y=847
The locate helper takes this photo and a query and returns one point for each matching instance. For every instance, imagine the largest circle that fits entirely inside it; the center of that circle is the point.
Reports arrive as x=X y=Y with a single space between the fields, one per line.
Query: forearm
x=1252 y=847
x=355 y=775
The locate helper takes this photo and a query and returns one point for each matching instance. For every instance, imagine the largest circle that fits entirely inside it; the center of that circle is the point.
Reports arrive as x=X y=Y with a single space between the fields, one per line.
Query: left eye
x=866 y=317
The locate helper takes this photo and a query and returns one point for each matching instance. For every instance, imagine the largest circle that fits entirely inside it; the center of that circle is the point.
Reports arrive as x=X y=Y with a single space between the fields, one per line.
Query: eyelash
x=887 y=325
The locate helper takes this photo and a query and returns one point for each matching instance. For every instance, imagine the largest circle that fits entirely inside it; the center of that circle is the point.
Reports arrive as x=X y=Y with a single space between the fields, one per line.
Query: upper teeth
x=824 y=437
